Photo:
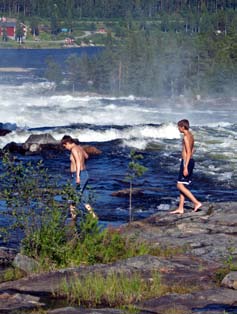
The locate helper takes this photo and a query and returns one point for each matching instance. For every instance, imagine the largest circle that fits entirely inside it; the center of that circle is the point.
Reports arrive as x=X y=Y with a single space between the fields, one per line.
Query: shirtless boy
x=186 y=168
x=78 y=171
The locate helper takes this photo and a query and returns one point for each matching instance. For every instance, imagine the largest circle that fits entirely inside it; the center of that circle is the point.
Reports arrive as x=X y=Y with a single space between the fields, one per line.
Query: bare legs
x=73 y=212
x=90 y=210
x=88 y=207
x=184 y=192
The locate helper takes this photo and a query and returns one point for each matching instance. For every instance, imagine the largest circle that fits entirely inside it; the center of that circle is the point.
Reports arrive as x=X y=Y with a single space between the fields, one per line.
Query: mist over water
x=30 y=105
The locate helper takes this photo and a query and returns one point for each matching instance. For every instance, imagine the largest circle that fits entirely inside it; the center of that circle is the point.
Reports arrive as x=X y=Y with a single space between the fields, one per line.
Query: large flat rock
x=210 y=233
x=209 y=237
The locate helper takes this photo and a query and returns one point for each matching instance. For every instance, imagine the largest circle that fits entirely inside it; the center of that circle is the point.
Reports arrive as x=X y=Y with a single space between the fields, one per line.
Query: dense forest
x=162 y=65
x=111 y=8
x=152 y=48
x=152 y=60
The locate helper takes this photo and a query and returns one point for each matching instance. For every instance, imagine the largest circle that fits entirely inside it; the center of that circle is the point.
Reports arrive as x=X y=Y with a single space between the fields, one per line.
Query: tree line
x=112 y=8
x=154 y=63
x=152 y=48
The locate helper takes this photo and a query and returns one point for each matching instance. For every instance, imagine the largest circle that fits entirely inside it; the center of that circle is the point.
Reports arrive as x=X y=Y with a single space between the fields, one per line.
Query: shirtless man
x=186 y=168
x=78 y=171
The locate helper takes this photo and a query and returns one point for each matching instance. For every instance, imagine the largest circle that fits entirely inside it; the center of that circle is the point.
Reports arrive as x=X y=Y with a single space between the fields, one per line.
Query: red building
x=9 y=27
x=101 y=31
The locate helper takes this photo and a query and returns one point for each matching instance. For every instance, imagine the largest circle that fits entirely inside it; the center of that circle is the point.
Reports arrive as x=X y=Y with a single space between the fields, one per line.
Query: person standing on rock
x=79 y=173
x=186 y=168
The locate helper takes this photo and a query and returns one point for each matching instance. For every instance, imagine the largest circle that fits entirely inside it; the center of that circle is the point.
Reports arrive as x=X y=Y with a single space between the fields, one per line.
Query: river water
x=29 y=105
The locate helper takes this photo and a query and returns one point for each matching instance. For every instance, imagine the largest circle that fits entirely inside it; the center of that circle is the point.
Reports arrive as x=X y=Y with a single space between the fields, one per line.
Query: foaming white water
x=134 y=136
x=142 y=132
x=35 y=104
x=14 y=136
x=134 y=121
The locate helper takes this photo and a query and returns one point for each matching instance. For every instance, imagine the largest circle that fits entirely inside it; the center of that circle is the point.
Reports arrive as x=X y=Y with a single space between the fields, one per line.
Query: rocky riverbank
x=208 y=241
x=38 y=143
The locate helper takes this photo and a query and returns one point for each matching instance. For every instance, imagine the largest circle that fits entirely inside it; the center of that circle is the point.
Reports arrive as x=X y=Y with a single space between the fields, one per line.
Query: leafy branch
x=135 y=170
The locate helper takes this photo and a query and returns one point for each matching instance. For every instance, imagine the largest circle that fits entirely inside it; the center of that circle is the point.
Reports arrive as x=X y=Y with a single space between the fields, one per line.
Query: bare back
x=77 y=157
x=187 y=145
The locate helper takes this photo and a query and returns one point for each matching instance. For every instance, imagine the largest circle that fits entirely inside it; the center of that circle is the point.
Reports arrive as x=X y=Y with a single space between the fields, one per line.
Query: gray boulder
x=25 y=263
x=230 y=280
x=34 y=142
x=14 y=302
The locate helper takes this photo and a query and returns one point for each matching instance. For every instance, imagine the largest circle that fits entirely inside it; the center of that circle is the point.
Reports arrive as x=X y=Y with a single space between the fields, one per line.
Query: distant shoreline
x=13 y=69
x=49 y=47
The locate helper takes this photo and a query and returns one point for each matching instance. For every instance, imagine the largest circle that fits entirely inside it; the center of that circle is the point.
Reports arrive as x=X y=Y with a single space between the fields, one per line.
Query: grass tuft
x=10 y=274
x=111 y=290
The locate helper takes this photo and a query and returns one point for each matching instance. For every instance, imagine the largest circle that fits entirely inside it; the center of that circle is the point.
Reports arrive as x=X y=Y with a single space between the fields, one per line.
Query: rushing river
x=29 y=105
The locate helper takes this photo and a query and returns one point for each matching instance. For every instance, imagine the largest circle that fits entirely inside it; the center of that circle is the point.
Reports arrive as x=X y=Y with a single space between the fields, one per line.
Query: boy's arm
x=187 y=145
x=84 y=153
x=78 y=164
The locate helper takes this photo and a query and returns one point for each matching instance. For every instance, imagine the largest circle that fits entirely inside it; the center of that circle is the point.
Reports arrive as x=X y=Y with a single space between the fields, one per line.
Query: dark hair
x=67 y=139
x=184 y=123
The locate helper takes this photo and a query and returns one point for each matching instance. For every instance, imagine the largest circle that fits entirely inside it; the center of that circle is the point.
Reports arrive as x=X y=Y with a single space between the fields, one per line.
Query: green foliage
x=151 y=62
x=37 y=211
x=53 y=72
x=47 y=243
x=10 y=274
x=135 y=170
x=112 y=9
x=230 y=264
x=220 y=274
x=80 y=71
x=34 y=27
x=168 y=251
x=24 y=188
x=19 y=32
x=111 y=290
x=150 y=50
x=93 y=245
x=33 y=212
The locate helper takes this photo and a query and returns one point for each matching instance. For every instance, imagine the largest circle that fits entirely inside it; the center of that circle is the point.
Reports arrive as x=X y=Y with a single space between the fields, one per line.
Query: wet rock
x=191 y=302
x=125 y=192
x=230 y=280
x=91 y=150
x=7 y=255
x=43 y=143
x=3 y=132
x=10 y=302
x=34 y=142
x=13 y=147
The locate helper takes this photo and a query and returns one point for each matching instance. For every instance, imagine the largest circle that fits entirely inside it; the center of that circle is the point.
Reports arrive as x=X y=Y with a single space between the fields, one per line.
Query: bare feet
x=196 y=208
x=177 y=211
x=90 y=210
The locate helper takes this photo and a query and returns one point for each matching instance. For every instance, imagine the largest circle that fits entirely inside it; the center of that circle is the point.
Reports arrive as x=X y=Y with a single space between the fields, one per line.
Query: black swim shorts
x=188 y=179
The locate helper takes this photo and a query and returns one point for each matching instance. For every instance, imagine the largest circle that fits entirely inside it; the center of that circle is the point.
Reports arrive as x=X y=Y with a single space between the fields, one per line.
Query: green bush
x=37 y=209
x=32 y=210
x=103 y=246
x=10 y=274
